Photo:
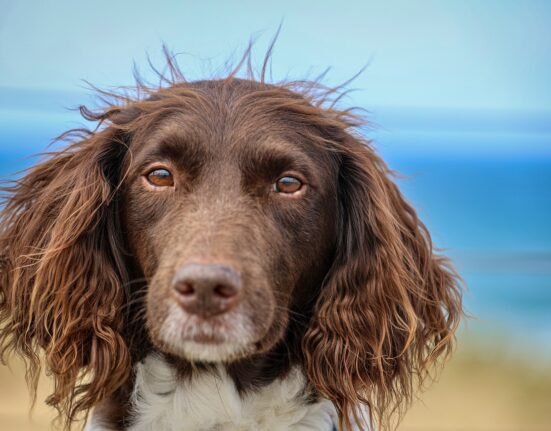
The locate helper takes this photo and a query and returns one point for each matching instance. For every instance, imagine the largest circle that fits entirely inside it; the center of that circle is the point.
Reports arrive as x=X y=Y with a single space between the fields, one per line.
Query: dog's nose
x=207 y=289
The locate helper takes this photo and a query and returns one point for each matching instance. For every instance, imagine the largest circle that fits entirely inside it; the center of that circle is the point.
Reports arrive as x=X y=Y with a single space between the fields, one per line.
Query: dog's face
x=231 y=214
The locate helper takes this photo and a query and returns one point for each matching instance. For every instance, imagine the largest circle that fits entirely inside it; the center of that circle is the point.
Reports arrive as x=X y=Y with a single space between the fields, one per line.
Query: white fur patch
x=210 y=402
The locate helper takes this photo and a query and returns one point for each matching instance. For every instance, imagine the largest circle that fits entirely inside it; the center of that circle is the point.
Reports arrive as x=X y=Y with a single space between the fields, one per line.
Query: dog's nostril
x=225 y=290
x=185 y=288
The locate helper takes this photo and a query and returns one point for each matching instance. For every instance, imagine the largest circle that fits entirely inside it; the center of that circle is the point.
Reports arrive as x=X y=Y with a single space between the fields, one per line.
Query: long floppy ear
x=389 y=306
x=62 y=273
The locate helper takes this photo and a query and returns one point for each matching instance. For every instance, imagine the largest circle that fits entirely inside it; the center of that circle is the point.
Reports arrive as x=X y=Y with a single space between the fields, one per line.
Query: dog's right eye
x=160 y=177
x=287 y=185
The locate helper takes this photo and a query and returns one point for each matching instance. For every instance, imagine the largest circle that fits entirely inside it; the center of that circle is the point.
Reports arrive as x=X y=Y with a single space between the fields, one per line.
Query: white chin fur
x=201 y=352
x=179 y=329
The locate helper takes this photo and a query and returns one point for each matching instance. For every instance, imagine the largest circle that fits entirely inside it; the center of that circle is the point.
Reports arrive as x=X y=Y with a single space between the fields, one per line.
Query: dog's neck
x=212 y=400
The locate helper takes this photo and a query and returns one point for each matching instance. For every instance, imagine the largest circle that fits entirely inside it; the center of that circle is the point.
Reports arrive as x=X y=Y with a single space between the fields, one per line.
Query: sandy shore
x=482 y=388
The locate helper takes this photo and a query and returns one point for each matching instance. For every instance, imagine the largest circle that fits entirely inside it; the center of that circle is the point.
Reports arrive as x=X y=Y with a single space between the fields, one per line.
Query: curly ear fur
x=389 y=305
x=62 y=276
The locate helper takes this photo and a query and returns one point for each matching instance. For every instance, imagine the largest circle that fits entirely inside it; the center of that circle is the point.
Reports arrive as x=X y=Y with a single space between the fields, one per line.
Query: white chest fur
x=211 y=402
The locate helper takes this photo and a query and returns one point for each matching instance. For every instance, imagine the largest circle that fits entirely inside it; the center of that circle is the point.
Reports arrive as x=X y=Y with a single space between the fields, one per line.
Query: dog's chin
x=219 y=339
x=213 y=352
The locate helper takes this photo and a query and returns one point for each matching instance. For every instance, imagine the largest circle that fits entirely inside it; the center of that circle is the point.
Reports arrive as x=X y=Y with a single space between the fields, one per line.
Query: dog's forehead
x=225 y=134
x=223 y=107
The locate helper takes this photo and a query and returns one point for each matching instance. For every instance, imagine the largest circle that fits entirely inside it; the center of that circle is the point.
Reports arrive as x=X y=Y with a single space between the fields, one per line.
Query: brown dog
x=222 y=255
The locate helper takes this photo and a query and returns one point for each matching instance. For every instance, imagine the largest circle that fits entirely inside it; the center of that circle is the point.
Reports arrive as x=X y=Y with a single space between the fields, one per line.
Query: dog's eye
x=160 y=177
x=287 y=184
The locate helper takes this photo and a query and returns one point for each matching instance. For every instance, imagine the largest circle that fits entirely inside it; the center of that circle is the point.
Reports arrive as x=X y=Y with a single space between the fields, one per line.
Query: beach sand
x=484 y=387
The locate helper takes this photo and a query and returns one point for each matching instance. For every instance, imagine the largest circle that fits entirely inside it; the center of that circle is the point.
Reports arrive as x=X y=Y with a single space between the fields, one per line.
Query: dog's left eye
x=160 y=177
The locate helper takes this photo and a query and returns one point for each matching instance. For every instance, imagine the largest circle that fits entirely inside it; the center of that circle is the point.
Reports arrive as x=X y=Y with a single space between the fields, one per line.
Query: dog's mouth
x=210 y=339
x=207 y=330
x=204 y=338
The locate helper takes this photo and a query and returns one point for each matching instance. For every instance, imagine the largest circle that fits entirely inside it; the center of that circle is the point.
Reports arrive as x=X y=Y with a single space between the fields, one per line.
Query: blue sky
x=450 y=77
x=428 y=54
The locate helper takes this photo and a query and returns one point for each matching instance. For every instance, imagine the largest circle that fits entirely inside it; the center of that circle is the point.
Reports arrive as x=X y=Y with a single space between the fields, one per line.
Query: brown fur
x=347 y=274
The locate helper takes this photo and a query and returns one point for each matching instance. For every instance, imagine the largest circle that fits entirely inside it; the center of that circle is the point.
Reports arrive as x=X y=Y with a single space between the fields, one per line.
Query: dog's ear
x=389 y=305
x=62 y=271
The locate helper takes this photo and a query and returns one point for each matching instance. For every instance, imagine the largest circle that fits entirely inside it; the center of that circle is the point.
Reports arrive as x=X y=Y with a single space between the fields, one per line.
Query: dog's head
x=229 y=205
x=229 y=216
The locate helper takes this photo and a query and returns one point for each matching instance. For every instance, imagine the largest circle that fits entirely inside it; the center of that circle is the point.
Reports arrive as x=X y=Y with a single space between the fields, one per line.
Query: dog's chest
x=211 y=403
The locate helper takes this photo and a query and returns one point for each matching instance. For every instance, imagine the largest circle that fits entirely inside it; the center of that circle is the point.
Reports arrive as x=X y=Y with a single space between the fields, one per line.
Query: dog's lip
x=206 y=339
x=206 y=330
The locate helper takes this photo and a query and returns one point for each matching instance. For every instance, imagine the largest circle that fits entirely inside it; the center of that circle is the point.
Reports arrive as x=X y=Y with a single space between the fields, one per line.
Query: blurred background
x=459 y=96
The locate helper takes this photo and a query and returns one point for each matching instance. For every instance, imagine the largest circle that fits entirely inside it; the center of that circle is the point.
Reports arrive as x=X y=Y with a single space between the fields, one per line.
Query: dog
x=225 y=254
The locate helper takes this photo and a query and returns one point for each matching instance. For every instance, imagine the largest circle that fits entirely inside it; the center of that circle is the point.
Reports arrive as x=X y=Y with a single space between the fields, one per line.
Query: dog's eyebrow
x=273 y=158
x=182 y=150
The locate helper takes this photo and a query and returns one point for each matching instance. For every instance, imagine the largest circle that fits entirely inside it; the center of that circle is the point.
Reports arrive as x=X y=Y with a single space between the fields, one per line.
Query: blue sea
x=481 y=181
x=494 y=218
